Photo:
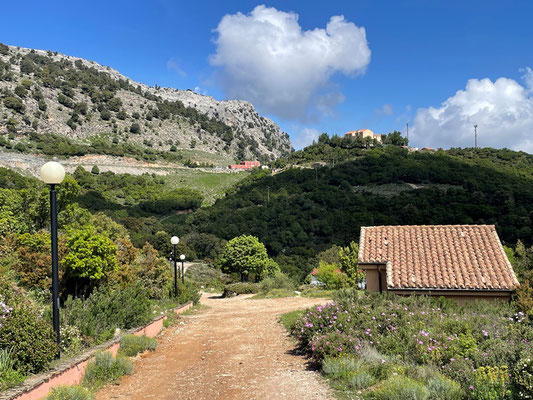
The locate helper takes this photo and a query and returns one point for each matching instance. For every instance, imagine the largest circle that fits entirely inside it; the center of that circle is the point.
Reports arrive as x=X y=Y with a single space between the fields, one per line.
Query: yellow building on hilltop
x=364 y=133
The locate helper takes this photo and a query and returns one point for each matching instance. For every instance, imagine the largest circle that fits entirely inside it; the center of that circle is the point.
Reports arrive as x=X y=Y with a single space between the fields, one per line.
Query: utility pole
x=475 y=136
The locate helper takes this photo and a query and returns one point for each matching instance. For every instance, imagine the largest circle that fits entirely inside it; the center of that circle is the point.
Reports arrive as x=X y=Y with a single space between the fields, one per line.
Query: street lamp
x=53 y=173
x=175 y=240
x=182 y=258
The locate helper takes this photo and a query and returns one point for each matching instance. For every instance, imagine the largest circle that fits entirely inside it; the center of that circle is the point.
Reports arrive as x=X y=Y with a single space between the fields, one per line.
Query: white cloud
x=386 y=109
x=173 y=65
x=528 y=78
x=304 y=137
x=266 y=58
x=503 y=111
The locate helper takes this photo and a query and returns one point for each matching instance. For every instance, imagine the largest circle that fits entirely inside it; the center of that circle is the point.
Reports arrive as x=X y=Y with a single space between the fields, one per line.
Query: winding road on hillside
x=234 y=349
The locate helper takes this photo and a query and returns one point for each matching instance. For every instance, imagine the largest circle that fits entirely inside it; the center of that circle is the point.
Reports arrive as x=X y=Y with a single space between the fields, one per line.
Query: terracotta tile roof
x=455 y=257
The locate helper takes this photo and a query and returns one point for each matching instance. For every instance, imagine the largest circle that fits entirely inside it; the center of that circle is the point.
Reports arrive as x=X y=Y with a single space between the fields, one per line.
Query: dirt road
x=235 y=349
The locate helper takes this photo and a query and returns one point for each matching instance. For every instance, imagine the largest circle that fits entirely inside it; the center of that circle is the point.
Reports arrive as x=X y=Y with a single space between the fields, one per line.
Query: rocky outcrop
x=48 y=92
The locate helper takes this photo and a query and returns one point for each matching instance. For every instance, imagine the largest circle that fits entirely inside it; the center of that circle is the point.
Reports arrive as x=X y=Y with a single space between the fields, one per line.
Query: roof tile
x=438 y=256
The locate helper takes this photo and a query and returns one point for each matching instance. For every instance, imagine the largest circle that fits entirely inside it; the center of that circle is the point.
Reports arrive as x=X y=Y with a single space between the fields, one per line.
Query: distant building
x=364 y=133
x=462 y=262
x=246 y=165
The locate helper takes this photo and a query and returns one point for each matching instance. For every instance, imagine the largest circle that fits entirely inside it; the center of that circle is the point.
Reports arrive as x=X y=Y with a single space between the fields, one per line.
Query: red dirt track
x=235 y=349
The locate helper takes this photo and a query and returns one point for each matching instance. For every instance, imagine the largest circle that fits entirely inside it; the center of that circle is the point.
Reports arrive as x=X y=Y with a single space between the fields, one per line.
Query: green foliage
x=107 y=309
x=70 y=393
x=411 y=336
x=238 y=288
x=277 y=280
x=442 y=388
x=34 y=266
x=244 y=255
x=14 y=103
x=173 y=200
x=401 y=388
x=348 y=263
x=89 y=254
x=310 y=211
x=105 y=369
x=31 y=339
x=289 y=320
x=490 y=383
x=331 y=276
x=9 y=376
x=131 y=345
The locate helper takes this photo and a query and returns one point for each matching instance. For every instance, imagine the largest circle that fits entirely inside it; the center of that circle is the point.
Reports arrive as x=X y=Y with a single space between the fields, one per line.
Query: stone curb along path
x=234 y=349
x=71 y=371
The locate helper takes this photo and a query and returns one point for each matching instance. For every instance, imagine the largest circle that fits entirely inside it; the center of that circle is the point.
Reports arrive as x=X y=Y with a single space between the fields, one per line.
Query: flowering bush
x=473 y=345
x=330 y=275
x=4 y=311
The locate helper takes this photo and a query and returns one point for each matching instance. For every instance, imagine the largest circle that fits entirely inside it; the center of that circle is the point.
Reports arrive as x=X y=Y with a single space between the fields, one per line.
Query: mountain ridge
x=50 y=92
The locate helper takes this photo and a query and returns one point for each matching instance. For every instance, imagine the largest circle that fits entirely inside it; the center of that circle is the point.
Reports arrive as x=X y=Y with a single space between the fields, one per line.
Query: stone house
x=463 y=262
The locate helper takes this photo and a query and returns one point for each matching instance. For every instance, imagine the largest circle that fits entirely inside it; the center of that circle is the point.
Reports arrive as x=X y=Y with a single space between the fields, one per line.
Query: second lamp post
x=175 y=240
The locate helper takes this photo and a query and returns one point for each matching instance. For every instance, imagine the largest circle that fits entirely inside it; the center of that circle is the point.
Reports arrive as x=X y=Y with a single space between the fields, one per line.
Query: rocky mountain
x=55 y=95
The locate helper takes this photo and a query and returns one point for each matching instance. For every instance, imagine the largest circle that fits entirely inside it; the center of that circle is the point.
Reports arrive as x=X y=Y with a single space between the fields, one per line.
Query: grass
x=211 y=184
x=275 y=294
x=288 y=320
x=131 y=345
x=105 y=369
x=318 y=293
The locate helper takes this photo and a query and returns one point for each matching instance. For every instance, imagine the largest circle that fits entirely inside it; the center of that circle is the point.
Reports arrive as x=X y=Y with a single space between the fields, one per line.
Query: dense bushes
x=70 y=393
x=236 y=289
x=107 y=309
x=31 y=339
x=483 y=347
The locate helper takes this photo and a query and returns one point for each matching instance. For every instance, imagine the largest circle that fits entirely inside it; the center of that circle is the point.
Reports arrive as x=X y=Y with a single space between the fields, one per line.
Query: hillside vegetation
x=299 y=212
x=89 y=108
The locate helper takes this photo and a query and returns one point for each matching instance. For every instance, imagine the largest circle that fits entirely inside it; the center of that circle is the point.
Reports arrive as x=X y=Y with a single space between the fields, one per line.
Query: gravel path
x=235 y=349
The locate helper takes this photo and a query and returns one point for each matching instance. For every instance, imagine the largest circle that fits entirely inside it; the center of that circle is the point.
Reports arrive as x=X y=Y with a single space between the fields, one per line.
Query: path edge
x=71 y=371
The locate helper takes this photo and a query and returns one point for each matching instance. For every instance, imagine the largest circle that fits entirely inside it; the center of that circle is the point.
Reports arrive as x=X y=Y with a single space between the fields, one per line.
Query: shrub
x=70 y=393
x=401 y=388
x=71 y=340
x=105 y=369
x=331 y=276
x=523 y=377
x=238 y=288
x=442 y=388
x=131 y=345
x=31 y=338
x=106 y=309
x=278 y=280
x=290 y=319
x=9 y=376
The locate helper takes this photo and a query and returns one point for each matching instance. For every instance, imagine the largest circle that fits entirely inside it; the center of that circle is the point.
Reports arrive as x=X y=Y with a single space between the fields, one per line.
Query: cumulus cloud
x=503 y=111
x=265 y=57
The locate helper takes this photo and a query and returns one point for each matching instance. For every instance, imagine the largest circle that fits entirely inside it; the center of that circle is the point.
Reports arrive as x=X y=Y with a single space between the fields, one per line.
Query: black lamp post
x=53 y=174
x=182 y=258
x=175 y=240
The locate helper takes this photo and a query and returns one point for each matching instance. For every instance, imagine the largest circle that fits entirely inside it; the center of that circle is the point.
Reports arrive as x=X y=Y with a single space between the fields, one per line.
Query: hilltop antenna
x=408 y=132
x=475 y=136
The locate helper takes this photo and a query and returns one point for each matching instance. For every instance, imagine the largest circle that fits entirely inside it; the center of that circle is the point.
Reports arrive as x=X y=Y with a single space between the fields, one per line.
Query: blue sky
x=421 y=53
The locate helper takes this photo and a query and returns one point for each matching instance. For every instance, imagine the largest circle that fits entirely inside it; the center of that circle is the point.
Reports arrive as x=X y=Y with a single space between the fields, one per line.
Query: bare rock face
x=47 y=92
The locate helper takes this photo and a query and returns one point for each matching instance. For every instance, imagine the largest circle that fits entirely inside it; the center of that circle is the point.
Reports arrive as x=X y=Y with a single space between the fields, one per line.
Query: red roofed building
x=245 y=165
x=464 y=262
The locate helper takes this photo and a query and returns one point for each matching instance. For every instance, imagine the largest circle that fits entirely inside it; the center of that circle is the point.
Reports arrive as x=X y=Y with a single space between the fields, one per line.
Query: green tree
x=244 y=255
x=89 y=254
x=14 y=103
x=348 y=263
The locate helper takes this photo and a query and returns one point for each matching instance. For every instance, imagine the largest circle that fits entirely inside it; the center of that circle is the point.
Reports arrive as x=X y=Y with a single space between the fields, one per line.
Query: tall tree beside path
x=246 y=255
